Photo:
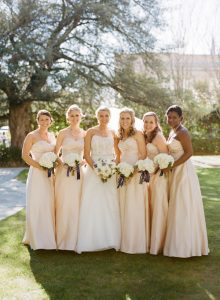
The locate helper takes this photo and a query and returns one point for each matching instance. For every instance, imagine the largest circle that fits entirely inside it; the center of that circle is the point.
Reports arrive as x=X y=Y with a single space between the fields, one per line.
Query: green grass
x=60 y=275
x=22 y=176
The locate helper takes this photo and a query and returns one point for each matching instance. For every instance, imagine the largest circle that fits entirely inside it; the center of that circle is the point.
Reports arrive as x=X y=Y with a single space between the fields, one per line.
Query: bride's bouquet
x=125 y=171
x=163 y=161
x=72 y=161
x=48 y=161
x=104 y=168
x=145 y=167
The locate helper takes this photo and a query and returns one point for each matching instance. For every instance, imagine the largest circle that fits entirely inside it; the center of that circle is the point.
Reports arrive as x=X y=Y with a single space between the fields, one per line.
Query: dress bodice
x=41 y=147
x=102 y=147
x=71 y=145
x=175 y=148
x=129 y=150
x=152 y=150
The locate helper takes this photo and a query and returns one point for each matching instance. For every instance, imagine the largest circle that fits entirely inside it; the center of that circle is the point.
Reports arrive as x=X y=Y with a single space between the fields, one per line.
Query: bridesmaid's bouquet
x=104 y=168
x=163 y=161
x=145 y=167
x=125 y=171
x=72 y=161
x=48 y=161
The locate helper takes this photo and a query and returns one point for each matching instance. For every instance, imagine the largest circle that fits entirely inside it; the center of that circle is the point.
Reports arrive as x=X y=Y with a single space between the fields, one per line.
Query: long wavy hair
x=132 y=129
x=149 y=138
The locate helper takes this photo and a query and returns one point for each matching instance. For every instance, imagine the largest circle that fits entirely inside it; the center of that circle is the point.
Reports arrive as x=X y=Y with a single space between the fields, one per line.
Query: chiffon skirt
x=40 y=211
x=134 y=208
x=186 y=228
x=159 y=209
x=67 y=199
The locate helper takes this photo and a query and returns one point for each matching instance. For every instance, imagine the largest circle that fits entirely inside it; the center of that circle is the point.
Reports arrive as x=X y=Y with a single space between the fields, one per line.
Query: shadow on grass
x=110 y=275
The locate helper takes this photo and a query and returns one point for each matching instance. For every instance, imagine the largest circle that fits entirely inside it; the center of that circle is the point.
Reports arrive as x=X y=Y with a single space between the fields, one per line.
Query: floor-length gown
x=99 y=222
x=40 y=210
x=186 y=226
x=67 y=198
x=134 y=206
x=158 y=192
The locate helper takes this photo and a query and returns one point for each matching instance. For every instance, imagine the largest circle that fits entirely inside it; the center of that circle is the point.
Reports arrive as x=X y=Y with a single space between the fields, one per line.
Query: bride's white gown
x=99 y=221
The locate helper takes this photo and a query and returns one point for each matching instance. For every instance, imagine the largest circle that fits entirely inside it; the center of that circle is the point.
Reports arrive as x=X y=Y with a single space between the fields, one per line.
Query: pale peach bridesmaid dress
x=134 y=206
x=158 y=190
x=99 y=222
x=67 y=198
x=40 y=210
x=186 y=227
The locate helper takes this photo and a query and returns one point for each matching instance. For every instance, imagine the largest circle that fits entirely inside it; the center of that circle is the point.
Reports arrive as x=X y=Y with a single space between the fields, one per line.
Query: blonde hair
x=157 y=129
x=44 y=112
x=132 y=130
x=72 y=108
x=102 y=108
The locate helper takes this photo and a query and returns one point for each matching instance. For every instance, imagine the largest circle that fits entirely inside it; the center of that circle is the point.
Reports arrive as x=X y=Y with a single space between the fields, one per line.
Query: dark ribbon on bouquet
x=77 y=171
x=121 y=180
x=50 y=172
x=145 y=177
x=71 y=169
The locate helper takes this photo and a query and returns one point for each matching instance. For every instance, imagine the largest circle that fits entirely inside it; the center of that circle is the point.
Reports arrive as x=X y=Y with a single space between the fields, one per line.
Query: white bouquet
x=72 y=161
x=104 y=168
x=48 y=161
x=125 y=171
x=163 y=161
x=145 y=167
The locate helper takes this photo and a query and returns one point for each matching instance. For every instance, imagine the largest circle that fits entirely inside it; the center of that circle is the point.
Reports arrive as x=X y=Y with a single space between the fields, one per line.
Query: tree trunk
x=19 y=123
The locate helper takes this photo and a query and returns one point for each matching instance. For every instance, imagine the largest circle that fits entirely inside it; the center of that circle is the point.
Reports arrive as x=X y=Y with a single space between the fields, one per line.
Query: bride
x=99 y=221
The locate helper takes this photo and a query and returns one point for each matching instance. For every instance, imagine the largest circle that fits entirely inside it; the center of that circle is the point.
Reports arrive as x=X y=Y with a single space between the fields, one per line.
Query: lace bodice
x=129 y=150
x=102 y=147
x=175 y=148
x=152 y=150
x=40 y=147
x=71 y=145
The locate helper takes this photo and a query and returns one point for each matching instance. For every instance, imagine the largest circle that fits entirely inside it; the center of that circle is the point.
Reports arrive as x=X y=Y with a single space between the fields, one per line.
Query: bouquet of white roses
x=104 y=168
x=125 y=171
x=163 y=161
x=72 y=161
x=145 y=167
x=48 y=161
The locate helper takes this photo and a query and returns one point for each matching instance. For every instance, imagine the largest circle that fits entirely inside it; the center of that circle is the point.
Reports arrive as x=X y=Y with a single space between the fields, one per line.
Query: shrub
x=10 y=157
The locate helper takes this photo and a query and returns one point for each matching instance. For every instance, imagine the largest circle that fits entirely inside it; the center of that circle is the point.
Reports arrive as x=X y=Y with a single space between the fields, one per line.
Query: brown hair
x=132 y=130
x=149 y=138
x=44 y=112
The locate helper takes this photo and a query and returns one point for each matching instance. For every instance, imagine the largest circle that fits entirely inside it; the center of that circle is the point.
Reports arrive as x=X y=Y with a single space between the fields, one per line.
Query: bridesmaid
x=133 y=196
x=40 y=219
x=158 y=186
x=68 y=189
x=186 y=227
x=99 y=223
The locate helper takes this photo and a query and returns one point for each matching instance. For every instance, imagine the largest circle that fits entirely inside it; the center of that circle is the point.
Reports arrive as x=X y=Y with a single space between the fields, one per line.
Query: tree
x=47 y=47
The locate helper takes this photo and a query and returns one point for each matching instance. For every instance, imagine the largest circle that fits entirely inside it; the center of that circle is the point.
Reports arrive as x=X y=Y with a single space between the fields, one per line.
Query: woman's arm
x=28 y=142
x=117 y=150
x=160 y=142
x=59 y=143
x=141 y=145
x=185 y=140
x=87 y=147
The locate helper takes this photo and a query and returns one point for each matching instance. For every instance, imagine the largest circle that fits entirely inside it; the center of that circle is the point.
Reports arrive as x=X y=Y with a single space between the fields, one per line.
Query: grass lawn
x=60 y=275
